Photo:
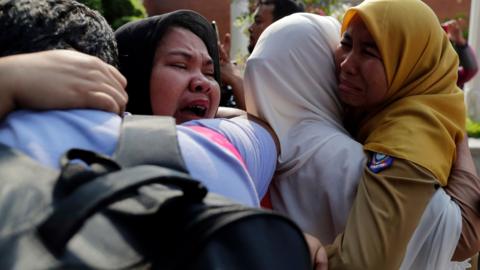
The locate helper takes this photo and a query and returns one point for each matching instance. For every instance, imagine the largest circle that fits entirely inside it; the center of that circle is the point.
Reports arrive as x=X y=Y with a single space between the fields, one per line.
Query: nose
x=250 y=28
x=347 y=63
x=200 y=84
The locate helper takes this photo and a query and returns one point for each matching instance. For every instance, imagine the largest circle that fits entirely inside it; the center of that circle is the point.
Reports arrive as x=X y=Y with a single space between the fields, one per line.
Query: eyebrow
x=188 y=56
x=368 y=44
x=180 y=53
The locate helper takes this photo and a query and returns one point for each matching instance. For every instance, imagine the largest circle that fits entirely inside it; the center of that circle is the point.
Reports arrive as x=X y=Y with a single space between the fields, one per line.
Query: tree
x=117 y=12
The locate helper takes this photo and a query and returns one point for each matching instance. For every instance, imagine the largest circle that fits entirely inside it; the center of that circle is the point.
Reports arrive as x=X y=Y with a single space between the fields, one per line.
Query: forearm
x=468 y=62
x=7 y=84
x=384 y=216
x=464 y=187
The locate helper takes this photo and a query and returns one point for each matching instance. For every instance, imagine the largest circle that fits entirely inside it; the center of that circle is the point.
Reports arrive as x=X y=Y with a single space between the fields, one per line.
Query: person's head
x=171 y=64
x=287 y=88
x=39 y=25
x=362 y=80
x=398 y=74
x=392 y=49
x=268 y=11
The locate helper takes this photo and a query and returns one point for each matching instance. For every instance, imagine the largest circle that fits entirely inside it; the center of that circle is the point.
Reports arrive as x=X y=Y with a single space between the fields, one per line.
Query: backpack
x=137 y=210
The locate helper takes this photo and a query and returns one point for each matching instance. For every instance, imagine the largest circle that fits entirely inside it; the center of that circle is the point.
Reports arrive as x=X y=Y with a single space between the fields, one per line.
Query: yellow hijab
x=424 y=113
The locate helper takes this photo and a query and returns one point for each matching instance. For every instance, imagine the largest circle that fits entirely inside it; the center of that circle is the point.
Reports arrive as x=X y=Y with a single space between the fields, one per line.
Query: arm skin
x=464 y=188
x=317 y=252
x=230 y=73
x=59 y=79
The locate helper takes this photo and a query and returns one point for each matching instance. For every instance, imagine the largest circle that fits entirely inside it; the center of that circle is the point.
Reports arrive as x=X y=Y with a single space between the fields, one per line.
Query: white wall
x=239 y=39
x=472 y=88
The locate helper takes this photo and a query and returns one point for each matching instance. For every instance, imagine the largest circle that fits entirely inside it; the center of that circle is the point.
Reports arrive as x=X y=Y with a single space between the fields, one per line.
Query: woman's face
x=182 y=82
x=359 y=66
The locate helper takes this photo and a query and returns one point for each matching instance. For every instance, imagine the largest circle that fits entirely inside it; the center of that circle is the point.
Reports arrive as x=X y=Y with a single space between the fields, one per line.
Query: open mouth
x=197 y=110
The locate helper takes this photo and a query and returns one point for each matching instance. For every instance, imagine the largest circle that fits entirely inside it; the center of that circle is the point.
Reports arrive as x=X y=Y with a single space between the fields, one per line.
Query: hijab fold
x=424 y=114
x=138 y=41
x=290 y=82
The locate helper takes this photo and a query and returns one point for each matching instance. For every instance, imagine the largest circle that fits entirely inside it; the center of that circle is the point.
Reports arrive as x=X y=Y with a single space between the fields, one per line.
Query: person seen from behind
x=468 y=65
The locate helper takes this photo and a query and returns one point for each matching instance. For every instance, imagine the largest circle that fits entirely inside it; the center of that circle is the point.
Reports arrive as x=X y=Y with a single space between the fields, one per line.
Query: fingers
x=103 y=84
x=103 y=101
x=321 y=259
x=121 y=83
x=227 y=44
x=223 y=54
x=317 y=252
x=107 y=90
x=224 y=49
x=65 y=79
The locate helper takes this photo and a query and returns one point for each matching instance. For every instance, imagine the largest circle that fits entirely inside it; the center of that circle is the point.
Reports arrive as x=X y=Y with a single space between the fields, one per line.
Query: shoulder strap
x=149 y=140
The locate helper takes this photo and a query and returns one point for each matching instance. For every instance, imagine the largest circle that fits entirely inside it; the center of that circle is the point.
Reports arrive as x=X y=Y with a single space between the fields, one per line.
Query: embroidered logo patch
x=379 y=162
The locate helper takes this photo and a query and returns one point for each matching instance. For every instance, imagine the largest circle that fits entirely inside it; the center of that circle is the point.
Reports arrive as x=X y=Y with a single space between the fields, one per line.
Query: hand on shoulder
x=60 y=79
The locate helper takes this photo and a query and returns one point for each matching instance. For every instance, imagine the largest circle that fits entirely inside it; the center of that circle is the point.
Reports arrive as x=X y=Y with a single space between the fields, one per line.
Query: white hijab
x=290 y=82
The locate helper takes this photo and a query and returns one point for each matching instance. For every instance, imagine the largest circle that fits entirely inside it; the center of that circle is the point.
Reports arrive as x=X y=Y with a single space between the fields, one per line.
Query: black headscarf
x=137 y=42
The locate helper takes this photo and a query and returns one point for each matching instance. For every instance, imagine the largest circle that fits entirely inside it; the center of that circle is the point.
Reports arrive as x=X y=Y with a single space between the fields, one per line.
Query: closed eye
x=371 y=50
x=210 y=74
x=345 y=44
x=179 y=65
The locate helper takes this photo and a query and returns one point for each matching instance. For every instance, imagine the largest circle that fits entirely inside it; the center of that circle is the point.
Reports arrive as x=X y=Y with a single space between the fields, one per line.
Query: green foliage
x=118 y=12
x=473 y=129
x=93 y=4
x=243 y=21
x=329 y=7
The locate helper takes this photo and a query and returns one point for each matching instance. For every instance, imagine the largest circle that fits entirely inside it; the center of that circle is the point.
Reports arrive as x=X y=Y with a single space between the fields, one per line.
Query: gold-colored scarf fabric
x=424 y=114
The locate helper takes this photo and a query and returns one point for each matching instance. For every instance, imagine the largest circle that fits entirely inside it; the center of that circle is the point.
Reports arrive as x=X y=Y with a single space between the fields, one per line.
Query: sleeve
x=468 y=63
x=253 y=142
x=464 y=188
x=388 y=206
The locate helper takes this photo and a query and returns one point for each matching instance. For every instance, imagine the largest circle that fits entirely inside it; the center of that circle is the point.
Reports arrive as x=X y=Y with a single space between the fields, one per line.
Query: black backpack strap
x=70 y=214
x=149 y=140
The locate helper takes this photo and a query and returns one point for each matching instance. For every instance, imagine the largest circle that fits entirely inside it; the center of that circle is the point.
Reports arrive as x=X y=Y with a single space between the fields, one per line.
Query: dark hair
x=283 y=8
x=39 y=25
x=138 y=42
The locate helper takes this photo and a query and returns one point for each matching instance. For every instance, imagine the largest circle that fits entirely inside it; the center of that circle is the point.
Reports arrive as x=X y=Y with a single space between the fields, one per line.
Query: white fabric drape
x=285 y=83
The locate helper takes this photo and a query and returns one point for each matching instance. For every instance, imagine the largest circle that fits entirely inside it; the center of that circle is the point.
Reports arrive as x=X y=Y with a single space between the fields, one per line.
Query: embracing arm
x=59 y=79
x=464 y=187
x=230 y=73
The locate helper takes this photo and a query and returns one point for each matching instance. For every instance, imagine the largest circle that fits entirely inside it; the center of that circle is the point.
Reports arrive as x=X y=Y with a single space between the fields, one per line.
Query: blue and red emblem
x=379 y=162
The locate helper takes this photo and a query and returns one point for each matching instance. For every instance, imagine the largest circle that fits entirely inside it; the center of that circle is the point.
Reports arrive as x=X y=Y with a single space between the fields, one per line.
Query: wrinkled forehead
x=182 y=38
